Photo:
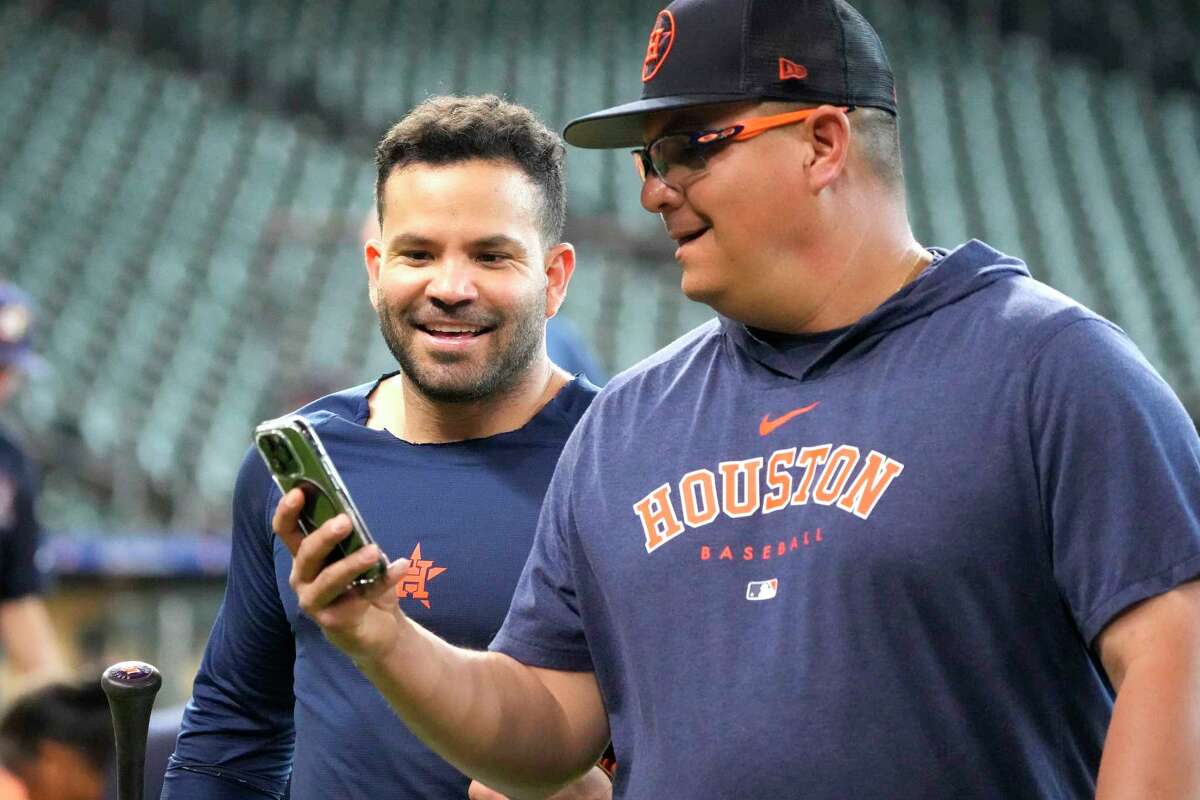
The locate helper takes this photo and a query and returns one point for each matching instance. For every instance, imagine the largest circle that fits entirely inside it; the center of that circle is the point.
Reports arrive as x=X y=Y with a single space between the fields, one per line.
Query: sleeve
x=543 y=627
x=1118 y=462
x=19 y=536
x=237 y=736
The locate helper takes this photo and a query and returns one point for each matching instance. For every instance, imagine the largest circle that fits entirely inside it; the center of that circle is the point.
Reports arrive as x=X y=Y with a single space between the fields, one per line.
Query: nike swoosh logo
x=769 y=426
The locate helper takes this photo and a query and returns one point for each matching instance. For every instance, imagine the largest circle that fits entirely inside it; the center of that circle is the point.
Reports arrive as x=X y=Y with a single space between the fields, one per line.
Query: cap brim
x=622 y=126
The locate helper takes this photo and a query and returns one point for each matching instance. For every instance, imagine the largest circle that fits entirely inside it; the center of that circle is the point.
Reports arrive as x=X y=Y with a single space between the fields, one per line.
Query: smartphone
x=296 y=458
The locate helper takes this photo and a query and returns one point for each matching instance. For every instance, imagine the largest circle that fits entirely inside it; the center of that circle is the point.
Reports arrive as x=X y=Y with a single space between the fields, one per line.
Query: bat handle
x=131 y=687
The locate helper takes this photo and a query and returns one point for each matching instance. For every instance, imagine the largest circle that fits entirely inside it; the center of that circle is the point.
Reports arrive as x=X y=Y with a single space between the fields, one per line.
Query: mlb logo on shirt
x=762 y=590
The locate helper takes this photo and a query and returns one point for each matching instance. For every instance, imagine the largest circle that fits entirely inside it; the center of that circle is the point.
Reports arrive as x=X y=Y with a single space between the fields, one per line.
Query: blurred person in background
x=56 y=743
x=464 y=271
x=26 y=634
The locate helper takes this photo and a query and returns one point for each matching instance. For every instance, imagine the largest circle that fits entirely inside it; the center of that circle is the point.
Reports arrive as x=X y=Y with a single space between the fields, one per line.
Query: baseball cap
x=724 y=51
x=16 y=328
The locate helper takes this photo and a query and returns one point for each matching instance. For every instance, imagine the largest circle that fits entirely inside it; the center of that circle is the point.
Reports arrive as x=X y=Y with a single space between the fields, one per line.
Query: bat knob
x=128 y=679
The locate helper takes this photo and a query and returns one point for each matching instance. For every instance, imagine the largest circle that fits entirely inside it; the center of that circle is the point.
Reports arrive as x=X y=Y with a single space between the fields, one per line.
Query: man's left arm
x=595 y=784
x=1151 y=653
x=26 y=632
x=28 y=638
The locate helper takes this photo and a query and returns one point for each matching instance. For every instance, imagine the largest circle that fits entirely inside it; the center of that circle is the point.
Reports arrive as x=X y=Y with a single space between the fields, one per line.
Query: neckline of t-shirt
x=797 y=342
x=549 y=417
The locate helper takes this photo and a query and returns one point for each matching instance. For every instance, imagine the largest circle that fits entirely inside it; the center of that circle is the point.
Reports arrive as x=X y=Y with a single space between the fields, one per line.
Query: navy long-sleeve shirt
x=272 y=697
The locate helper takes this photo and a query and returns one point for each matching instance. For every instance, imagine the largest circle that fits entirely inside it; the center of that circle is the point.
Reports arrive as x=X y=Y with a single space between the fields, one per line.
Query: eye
x=416 y=256
x=492 y=258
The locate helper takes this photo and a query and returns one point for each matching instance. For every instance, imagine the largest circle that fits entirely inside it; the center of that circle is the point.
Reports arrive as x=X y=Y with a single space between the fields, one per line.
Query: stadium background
x=183 y=186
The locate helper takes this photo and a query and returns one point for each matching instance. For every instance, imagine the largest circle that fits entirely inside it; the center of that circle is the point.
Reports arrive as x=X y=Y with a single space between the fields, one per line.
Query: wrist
x=384 y=647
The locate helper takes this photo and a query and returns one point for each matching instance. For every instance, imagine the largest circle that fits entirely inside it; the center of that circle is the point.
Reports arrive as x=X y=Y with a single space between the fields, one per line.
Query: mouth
x=452 y=332
x=688 y=238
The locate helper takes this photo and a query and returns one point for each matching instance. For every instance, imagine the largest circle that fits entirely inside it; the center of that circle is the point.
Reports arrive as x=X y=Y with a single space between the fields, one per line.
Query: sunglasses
x=678 y=159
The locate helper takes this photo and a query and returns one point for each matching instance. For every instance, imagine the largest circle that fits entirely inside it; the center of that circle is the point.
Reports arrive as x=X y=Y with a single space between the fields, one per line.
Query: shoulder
x=688 y=353
x=349 y=404
x=1051 y=330
x=576 y=397
x=648 y=381
x=1022 y=315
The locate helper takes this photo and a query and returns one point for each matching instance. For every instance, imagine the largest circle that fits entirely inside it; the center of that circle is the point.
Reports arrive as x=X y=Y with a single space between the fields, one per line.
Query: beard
x=514 y=340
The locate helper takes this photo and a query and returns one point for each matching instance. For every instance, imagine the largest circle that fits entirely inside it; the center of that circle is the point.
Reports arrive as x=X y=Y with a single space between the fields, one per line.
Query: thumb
x=477 y=791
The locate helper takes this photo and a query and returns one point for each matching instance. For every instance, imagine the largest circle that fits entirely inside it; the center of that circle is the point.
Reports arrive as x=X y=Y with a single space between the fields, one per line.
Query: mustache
x=475 y=318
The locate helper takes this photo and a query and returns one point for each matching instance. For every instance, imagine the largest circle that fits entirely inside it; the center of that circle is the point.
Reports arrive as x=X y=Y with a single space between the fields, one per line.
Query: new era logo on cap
x=791 y=71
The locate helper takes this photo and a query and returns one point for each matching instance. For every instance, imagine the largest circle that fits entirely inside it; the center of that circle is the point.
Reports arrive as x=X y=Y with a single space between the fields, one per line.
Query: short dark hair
x=878 y=134
x=876 y=137
x=450 y=129
x=73 y=714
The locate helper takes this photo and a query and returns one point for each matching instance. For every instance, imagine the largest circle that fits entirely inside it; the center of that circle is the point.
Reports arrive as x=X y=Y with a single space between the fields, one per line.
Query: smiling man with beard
x=466 y=270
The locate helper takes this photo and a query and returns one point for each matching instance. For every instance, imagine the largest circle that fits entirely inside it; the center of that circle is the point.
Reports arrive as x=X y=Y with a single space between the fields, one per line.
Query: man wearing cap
x=25 y=631
x=902 y=522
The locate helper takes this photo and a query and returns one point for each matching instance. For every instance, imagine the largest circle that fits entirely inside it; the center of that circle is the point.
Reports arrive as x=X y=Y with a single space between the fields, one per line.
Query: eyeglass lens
x=675 y=159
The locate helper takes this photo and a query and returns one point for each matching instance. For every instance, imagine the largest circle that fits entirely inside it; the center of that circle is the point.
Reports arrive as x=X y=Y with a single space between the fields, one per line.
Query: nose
x=452 y=283
x=658 y=197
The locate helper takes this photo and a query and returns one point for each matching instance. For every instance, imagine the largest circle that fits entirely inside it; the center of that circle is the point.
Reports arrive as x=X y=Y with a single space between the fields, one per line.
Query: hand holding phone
x=296 y=458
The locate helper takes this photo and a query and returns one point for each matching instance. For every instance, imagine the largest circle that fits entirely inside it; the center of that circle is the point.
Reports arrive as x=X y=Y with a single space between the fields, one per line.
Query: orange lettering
x=835 y=475
x=705 y=552
x=766 y=552
x=779 y=479
x=660 y=523
x=726 y=554
x=698 y=495
x=747 y=554
x=810 y=458
x=747 y=471
x=872 y=481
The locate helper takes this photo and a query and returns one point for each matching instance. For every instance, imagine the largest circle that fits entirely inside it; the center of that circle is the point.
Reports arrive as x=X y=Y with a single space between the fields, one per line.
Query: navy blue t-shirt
x=273 y=697
x=872 y=564
x=19 y=531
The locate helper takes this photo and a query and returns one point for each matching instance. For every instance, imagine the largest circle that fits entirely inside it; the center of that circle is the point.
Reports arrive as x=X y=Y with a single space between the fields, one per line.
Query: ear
x=560 y=266
x=373 y=258
x=829 y=137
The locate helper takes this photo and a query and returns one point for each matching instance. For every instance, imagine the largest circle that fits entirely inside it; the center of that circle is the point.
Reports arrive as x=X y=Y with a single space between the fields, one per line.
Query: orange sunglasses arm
x=758 y=125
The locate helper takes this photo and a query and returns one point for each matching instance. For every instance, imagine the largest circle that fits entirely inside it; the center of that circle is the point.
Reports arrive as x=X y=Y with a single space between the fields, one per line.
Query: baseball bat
x=131 y=687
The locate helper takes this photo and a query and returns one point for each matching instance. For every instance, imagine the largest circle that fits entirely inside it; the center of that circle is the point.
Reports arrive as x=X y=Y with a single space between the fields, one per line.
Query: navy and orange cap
x=724 y=51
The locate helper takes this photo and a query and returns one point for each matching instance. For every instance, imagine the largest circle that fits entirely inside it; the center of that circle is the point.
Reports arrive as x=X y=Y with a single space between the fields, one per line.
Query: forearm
x=29 y=638
x=1154 y=736
x=486 y=713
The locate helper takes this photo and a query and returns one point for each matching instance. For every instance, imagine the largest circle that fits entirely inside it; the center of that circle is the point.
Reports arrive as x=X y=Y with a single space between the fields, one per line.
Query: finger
x=387 y=584
x=477 y=791
x=314 y=548
x=334 y=580
x=285 y=521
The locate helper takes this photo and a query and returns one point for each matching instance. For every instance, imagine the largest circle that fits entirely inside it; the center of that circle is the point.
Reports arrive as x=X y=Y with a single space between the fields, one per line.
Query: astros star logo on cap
x=659 y=46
